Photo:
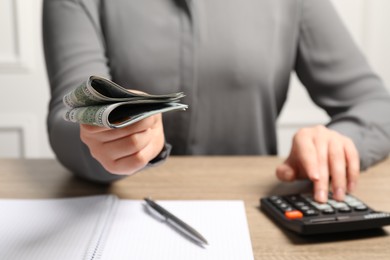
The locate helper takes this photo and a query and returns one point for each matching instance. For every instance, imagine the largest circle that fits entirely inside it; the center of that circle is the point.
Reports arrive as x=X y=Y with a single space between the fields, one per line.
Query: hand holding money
x=99 y=105
x=125 y=150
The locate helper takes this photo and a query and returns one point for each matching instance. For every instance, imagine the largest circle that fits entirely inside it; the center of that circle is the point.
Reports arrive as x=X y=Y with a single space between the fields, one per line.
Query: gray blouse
x=232 y=59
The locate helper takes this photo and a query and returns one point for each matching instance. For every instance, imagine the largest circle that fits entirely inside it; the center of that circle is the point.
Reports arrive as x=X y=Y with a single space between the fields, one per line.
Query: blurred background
x=25 y=92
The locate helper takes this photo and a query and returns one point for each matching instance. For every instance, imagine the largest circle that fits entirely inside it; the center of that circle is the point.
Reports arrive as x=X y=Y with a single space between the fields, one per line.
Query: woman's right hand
x=125 y=151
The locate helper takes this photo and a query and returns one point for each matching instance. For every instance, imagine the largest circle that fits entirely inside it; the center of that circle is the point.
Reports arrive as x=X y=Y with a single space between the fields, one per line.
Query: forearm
x=368 y=125
x=339 y=79
x=73 y=51
x=73 y=153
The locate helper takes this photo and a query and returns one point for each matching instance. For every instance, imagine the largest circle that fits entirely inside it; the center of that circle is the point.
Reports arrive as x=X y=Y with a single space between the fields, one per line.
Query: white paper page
x=137 y=235
x=52 y=228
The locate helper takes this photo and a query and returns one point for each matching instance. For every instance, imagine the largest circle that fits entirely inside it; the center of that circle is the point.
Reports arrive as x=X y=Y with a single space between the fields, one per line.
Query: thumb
x=285 y=172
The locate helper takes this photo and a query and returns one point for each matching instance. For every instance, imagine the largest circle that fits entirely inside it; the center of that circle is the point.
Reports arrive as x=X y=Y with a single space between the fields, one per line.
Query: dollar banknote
x=101 y=102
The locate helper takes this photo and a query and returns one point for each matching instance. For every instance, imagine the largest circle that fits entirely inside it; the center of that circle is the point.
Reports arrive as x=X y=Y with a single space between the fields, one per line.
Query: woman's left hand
x=322 y=155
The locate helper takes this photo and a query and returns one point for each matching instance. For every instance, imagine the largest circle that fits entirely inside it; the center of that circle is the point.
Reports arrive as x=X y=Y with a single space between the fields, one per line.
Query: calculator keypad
x=303 y=205
x=302 y=214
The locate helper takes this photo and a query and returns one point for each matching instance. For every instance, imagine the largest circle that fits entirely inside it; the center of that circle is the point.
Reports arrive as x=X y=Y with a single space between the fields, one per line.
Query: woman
x=233 y=60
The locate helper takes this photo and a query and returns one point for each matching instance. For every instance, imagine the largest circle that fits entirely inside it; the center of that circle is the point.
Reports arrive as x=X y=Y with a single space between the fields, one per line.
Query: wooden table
x=242 y=178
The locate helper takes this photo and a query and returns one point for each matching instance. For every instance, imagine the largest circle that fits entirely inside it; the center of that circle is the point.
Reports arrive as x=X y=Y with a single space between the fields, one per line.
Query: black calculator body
x=301 y=214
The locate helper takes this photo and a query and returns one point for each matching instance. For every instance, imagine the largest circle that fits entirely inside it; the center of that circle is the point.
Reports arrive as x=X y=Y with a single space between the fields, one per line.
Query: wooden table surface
x=241 y=178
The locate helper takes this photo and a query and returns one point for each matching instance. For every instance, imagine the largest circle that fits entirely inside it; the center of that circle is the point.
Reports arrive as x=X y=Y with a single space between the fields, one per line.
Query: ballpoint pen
x=177 y=223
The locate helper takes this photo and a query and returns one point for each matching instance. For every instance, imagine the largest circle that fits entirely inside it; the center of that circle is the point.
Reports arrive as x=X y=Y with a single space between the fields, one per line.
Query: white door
x=23 y=85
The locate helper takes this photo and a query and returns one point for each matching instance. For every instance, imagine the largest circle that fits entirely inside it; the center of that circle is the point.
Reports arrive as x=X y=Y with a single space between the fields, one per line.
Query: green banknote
x=101 y=102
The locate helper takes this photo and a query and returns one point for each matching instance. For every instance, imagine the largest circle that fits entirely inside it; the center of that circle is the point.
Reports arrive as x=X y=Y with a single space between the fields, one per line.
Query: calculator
x=301 y=214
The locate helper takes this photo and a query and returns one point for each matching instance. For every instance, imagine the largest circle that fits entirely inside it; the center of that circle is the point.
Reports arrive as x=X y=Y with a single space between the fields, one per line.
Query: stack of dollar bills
x=101 y=102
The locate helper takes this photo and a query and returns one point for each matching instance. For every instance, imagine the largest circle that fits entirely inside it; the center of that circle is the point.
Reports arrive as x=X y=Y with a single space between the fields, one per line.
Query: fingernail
x=339 y=194
x=321 y=196
x=316 y=176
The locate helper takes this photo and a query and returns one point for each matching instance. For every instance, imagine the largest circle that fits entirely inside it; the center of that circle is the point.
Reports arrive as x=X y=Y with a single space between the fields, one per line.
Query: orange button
x=293 y=214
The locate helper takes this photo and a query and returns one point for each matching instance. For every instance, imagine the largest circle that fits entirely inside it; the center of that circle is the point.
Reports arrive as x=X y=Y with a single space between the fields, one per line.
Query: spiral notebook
x=105 y=227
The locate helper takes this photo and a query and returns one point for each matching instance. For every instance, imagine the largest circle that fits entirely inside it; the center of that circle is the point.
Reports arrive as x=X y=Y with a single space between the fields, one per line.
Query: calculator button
x=337 y=204
x=361 y=207
x=329 y=211
x=304 y=208
x=344 y=210
x=321 y=206
x=274 y=198
x=283 y=205
x=354 y=204
x=307 y=196
x=294 y=214
x=349 y=199
x=300 y=204
x=278 y=201
x=310 y=212
x=293 y=198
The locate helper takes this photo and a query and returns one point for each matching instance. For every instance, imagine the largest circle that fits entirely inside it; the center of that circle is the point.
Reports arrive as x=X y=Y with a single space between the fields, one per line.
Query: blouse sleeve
x=339 y=79
x=75 y=49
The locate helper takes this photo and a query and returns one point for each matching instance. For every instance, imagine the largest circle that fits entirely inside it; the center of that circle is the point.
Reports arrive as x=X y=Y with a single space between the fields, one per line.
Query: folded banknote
x=101 y=102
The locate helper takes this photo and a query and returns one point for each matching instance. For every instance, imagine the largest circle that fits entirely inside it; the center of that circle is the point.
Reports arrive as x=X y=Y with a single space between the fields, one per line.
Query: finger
x=321 y=144
x=321 y=185
x=91 y=129
x=337 y=168
x=127 y=145
x=119 y=133
x=353 y=164
x=131 y=164
x=149 y=122
x=321 y=189
x=306 y=155
x=285 y=172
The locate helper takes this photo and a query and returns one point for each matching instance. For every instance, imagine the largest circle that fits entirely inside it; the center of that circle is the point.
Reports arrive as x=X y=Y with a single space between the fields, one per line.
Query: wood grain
x=242 y=178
